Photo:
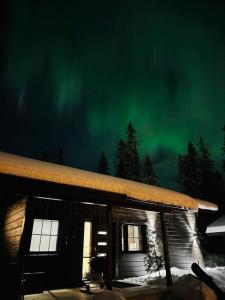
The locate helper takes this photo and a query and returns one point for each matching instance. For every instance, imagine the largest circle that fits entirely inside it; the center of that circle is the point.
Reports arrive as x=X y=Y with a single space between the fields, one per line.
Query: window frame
x=39 y=252
x=124 y=237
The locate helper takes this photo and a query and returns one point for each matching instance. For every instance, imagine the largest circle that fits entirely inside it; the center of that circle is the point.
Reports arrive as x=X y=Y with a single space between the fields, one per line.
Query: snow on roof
x=30 y=168
x=218 y=226
x=205 y=205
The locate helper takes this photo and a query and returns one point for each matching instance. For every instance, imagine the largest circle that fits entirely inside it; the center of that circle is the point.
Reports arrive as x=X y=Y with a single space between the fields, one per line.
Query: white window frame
x=125 y=237
x=44 y=237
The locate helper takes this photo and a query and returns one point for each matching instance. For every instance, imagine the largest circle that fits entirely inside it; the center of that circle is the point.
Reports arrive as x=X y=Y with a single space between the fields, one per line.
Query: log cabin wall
x=182 y=239
x=63 y=268
x=12 y=235
x=133 y=264
x=13 y=228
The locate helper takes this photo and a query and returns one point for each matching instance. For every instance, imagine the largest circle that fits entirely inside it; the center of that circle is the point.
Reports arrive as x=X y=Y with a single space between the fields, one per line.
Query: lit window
x=101 y=254
x=44 y=236
x=132 y=238
x=102 y=232
x=102 y=243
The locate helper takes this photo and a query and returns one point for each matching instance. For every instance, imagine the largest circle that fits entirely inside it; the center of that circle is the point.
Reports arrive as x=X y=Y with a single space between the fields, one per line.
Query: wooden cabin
x=57 y=217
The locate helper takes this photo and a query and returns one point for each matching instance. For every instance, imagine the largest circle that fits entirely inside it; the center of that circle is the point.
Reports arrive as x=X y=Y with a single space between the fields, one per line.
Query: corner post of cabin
x=165 y=249
x=4 y=264
x=109 y=247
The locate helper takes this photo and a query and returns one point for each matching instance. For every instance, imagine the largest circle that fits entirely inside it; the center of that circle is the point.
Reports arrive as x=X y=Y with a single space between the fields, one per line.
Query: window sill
x=42 y=254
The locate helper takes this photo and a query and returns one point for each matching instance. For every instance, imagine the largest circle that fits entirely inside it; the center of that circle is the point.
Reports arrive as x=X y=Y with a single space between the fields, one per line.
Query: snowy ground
x=217 y=273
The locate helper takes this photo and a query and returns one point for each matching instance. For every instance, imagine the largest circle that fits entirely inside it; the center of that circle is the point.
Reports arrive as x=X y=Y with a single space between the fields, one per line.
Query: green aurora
x=79 y=71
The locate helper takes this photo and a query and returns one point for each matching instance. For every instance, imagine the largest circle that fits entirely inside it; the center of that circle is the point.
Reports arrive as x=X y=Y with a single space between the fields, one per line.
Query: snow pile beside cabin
x=11 y=164
x=217 y=273
x=185 y=286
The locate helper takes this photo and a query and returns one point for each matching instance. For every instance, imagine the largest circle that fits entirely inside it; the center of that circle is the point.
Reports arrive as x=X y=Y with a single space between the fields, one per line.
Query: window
x=133 y=238
x=44 y=235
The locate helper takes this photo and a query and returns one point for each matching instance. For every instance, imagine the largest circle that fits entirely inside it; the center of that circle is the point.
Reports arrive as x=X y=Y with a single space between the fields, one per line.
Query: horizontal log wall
x=133 y=264
x=182 y=240
x=13 y=228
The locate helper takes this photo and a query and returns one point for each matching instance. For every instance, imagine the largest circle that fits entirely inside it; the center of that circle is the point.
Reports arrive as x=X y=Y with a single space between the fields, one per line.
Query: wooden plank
x=166 y=250
x=14 y=209
x=133 y=269
x=13 y=218
x=116 y=252
x=131 y=274
x=109 y=247
x=13 y=231
x=132 y=257
x=13 y=239
x=14 y=225
x=132 y=264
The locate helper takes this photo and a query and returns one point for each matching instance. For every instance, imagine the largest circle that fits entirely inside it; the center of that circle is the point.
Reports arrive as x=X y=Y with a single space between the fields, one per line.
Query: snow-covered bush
x=153 y=259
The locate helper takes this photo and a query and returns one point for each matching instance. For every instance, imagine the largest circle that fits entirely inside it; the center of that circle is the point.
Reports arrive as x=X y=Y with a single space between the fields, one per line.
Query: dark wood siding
x=133 y=264
x=183 y=245
x=63 y=268
x=182 y=240
x=13 y=228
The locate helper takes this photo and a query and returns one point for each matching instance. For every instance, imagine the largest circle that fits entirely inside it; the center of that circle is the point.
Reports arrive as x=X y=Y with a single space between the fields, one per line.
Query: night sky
x=75 y=73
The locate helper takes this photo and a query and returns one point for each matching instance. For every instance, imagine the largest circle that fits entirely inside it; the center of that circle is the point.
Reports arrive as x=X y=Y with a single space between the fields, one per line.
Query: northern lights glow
x=77 y=74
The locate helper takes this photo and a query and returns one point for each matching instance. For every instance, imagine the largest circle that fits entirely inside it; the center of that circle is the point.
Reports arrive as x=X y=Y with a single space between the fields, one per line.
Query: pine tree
x=120 y=165
x=188 y=171
x=149 y=175
x=206 y=171
x=103 y=165
x=132 y=161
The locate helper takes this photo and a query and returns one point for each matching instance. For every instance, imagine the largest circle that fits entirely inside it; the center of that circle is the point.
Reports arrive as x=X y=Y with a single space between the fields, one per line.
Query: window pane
x=37 y=226
x=102 y=232
x=35 y=243
x=137 y=245
x=102 y=243
x=130 y=230
x=101 y=254
x=44 y=243
x=53 y=243
x=44 y=235
x=46 y=229
x=86 y=267
x=136 y=231
x=55 y=227
x=132 y=246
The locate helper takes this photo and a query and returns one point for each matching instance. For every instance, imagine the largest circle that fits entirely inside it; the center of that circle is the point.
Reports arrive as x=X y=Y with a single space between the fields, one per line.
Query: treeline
x=197 y=174
x=128 y=164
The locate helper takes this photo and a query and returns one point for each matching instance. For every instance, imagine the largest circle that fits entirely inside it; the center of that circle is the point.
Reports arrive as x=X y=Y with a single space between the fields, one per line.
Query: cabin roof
x=217 y=227
x=15 y=165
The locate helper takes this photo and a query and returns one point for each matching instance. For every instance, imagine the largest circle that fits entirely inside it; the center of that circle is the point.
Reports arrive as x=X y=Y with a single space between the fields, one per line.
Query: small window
x=132 y=238
x=102 y=232
x=44 y=235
